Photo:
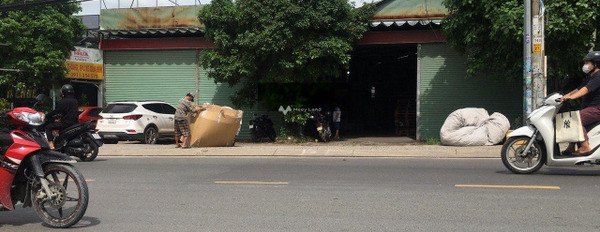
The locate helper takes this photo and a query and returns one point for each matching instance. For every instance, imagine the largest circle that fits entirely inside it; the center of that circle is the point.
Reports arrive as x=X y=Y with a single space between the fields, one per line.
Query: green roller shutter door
x=444 y=88
x=162 y=75
x=166 y=75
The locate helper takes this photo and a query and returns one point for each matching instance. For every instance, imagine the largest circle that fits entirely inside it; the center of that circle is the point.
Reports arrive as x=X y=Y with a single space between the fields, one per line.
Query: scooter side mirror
x=40 y=97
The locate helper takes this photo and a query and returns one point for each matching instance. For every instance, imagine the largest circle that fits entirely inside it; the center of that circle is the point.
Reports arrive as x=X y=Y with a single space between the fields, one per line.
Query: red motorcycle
x=38 y=177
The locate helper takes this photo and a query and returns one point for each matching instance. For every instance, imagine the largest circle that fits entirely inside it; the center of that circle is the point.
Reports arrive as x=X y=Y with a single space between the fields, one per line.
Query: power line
x=9 y=70
x=26 y=5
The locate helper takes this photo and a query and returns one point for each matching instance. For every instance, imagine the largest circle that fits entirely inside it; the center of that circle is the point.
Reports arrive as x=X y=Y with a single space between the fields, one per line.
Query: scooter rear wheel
x=91 y=150
x=528 y=163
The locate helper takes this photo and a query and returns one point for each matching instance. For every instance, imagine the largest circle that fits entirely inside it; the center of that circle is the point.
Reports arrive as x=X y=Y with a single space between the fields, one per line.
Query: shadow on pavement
x=22 y=217
x=558 y=172
x=94 y=161
x=18 y=217
x=84 y=223
x=571 y=172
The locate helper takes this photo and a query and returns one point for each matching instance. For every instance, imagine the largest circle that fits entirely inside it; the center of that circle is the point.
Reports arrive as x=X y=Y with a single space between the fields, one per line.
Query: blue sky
x=93 y=7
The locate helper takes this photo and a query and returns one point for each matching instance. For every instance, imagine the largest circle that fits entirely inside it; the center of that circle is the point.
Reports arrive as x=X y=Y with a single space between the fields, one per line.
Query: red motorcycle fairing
x=22 y=146
x=15 y=121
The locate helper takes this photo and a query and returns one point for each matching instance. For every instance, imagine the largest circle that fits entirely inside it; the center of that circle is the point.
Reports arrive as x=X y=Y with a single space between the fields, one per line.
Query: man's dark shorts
x=336 y=125
x=182 y=128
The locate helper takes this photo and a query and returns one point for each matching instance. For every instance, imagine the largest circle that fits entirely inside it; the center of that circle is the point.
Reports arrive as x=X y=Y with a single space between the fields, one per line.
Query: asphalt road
x=328 y=194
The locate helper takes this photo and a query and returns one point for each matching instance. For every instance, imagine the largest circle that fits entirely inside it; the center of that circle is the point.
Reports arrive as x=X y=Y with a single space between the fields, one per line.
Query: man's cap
x=190 y=94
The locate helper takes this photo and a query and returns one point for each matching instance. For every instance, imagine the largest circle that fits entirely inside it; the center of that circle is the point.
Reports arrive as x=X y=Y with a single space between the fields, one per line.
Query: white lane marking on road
x=253 y=182
x=549 y=187
x=71 y=180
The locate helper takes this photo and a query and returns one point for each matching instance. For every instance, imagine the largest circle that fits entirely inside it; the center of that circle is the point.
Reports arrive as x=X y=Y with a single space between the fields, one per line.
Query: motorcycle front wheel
x=519 y=163
x=70 y=203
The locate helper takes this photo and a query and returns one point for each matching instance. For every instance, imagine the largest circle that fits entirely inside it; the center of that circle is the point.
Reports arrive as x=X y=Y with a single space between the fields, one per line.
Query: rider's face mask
x=587 y=68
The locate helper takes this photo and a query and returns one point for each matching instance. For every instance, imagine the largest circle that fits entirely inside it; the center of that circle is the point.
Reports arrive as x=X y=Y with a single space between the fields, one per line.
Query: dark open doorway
x=86 y=93
x=378 y=96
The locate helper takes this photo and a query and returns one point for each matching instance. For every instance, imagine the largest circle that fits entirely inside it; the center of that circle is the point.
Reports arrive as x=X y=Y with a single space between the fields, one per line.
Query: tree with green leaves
x=37 y=41
x=281 y=41
x=490 y=34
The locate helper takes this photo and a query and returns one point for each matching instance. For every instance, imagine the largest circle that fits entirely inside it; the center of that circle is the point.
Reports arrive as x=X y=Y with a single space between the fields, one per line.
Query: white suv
x=146 y=121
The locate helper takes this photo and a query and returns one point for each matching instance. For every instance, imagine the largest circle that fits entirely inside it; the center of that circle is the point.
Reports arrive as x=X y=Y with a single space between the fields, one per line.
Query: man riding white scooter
x=590 y=106
x=528 y=148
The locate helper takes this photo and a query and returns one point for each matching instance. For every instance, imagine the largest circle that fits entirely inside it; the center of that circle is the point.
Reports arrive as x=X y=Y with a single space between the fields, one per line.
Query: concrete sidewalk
x=249 y=149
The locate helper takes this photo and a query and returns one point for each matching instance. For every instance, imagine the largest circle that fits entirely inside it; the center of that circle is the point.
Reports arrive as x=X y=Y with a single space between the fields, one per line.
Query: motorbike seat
x=592 y=126
x=76 y=125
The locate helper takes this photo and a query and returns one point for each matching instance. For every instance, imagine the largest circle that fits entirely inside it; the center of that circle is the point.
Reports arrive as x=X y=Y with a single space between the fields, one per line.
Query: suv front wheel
x=150 y=135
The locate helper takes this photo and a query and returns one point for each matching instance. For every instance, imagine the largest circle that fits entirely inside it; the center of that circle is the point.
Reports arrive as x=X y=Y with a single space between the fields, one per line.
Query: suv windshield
x=119 y=108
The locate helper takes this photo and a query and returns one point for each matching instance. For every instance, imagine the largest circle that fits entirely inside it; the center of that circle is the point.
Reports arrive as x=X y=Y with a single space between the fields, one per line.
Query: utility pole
x=534 y=77
x=592 y=43
x=538 y=63
x=527 y=85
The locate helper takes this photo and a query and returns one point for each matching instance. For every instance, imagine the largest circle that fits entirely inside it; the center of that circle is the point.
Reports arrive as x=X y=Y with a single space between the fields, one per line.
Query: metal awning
x=156 y=32
x=388 y=23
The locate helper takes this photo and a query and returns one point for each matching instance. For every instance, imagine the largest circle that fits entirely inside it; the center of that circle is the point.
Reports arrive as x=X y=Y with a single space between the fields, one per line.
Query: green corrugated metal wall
x=213 y=93
x=219 y=94
x=165 y=75
x=444 y=88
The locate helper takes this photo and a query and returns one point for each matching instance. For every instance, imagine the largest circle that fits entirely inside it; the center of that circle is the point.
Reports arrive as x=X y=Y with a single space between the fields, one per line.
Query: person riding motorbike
x=67 y=109
x=590 y=106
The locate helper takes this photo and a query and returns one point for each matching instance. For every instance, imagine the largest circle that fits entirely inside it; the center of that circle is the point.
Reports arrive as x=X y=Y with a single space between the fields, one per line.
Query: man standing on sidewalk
x=182 y=126
x=337 y=120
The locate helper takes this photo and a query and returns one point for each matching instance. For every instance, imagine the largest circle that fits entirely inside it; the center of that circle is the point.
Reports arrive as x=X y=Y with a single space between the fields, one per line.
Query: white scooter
x=529 y=147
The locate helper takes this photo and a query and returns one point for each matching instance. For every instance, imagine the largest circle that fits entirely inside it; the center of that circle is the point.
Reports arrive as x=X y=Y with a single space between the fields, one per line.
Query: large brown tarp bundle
x=217 y=126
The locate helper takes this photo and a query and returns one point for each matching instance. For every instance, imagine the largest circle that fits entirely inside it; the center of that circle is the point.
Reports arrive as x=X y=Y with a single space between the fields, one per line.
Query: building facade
x=403 y=81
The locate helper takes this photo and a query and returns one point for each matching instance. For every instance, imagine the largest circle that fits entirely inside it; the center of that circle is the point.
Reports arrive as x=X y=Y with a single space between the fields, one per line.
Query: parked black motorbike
x=261 y=128
x=79 y=140
x=318 y=127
